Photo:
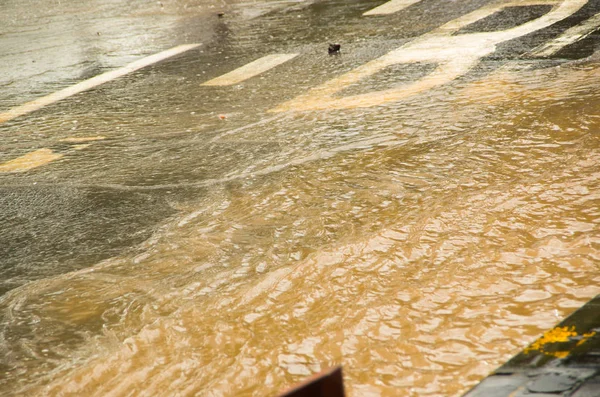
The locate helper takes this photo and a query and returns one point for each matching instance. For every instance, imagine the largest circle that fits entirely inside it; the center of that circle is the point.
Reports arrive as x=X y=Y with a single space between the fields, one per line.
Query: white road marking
x=93 y=82
x=30 y=160
x=569 y=36
x=81 y=146
x=251 y=69
x=486 y=11
x=391 y=7
x=454 y=56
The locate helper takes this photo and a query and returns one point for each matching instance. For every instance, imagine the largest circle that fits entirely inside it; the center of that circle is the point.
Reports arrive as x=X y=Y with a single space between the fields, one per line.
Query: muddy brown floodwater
x=419 y=244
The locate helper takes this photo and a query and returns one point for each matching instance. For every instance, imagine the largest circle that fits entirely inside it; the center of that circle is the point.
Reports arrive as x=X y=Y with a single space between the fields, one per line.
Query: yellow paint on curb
x=557 y=335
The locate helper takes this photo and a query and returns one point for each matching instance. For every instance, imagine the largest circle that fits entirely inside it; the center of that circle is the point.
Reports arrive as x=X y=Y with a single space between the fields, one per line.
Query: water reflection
x=419 y=244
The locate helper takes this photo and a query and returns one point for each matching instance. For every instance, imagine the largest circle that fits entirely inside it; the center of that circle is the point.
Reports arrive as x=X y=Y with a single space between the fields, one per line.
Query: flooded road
x=417 y=208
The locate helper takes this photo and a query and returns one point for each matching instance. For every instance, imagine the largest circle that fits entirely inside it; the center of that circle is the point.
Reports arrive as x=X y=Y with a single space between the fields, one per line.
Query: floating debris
x=334 y=48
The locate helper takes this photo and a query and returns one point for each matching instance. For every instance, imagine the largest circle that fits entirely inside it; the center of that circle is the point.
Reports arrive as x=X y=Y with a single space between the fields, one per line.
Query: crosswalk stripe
x=251 y=69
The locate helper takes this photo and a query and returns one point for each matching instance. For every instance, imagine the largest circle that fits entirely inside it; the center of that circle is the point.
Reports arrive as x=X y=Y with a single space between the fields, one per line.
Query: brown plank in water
x=328 y=383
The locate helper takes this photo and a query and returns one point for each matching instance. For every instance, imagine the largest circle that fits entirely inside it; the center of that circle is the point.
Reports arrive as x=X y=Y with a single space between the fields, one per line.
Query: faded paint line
x=43 y=156
x=30 y=160
x=83 y=139
x=391 y=7
x=569 y=36
x=85 y=85
x=81 y=146
x=251 y=69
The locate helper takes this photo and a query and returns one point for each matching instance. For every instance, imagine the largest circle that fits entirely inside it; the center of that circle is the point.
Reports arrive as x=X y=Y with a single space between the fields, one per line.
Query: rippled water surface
x=419 y=244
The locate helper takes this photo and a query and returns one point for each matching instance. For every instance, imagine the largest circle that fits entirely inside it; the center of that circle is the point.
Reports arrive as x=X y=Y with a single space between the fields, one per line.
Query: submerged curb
x=564 y=361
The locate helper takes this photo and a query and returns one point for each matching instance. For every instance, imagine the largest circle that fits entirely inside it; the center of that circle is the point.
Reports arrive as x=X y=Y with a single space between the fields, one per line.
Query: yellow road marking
x=391 y=7
x=30 y=160
x=85 y=85
x=251 y=69
x=570 y=36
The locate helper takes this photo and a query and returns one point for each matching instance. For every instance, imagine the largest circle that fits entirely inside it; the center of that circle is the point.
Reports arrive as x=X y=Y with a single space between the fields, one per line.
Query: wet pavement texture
x=163 y=236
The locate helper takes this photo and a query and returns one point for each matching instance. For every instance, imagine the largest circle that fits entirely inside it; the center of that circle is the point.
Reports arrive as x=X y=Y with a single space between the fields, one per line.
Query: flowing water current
x=419 y=244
